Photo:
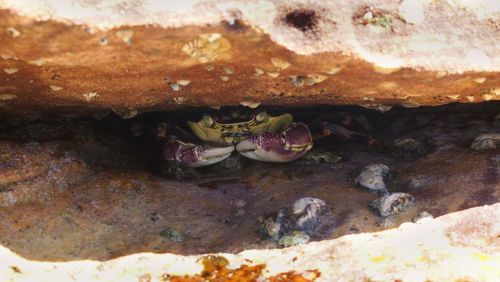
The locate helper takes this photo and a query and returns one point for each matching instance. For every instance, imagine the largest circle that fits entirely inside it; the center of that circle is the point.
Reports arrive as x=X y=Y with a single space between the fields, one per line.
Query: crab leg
x=286 y=146
x=348 y=134
x=193 y=155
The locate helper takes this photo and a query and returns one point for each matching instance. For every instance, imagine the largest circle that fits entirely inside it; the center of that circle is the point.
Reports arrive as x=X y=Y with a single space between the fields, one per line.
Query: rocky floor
x=74 y=188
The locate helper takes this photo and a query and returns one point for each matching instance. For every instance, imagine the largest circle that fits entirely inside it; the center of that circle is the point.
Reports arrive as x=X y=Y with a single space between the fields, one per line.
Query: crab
x=254 y=134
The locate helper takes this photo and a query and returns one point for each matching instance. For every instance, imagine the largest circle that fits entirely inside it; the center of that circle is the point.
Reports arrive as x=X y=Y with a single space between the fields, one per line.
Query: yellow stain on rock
x=379 y=258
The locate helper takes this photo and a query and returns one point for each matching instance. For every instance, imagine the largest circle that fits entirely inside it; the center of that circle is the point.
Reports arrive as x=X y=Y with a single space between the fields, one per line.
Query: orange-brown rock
x=88 y=195
x=95 y=55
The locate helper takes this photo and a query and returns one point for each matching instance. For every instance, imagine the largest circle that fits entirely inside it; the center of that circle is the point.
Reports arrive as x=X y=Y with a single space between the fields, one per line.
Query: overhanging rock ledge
x=70 y=56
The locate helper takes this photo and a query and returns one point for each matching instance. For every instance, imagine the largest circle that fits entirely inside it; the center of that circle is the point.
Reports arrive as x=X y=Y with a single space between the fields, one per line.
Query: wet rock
x=373 y=177
x=172 y=235
x=392 y=204
x=294 y=238
x=486 y=141
x=421 y=216
x=307 y=213
x=407 y=148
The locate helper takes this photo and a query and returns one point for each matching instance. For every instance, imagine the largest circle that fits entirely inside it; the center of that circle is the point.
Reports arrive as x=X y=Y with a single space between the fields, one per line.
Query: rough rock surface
x=458 y=246
x=64 y=56
x=72 y=190
x=69 y=191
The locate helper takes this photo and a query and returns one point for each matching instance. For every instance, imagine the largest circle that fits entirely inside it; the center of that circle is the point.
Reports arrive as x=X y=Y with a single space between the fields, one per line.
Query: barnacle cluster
x=295 y=222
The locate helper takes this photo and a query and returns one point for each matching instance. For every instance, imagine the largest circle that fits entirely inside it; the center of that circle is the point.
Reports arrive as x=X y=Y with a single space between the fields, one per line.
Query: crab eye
x=207 y=120
x=261 y=116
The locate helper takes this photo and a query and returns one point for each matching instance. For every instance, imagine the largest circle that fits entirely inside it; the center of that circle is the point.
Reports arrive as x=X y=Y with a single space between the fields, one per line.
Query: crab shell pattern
x=259 y=137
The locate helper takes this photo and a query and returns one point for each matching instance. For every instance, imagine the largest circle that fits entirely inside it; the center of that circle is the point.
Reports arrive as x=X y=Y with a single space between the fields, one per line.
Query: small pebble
x=373 y=177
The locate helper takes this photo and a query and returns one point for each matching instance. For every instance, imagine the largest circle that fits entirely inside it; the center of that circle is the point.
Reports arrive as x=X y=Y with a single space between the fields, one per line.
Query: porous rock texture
x=132 y=56
x=88 y=55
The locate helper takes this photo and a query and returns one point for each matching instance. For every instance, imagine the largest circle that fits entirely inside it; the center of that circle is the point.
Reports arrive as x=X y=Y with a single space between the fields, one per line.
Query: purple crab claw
x=286 y=146
x=195 y=156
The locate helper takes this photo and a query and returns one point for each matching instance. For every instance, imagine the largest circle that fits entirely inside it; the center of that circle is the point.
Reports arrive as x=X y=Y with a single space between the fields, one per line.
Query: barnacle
x=279 y=64
x=392 y=204
x=207 y=47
